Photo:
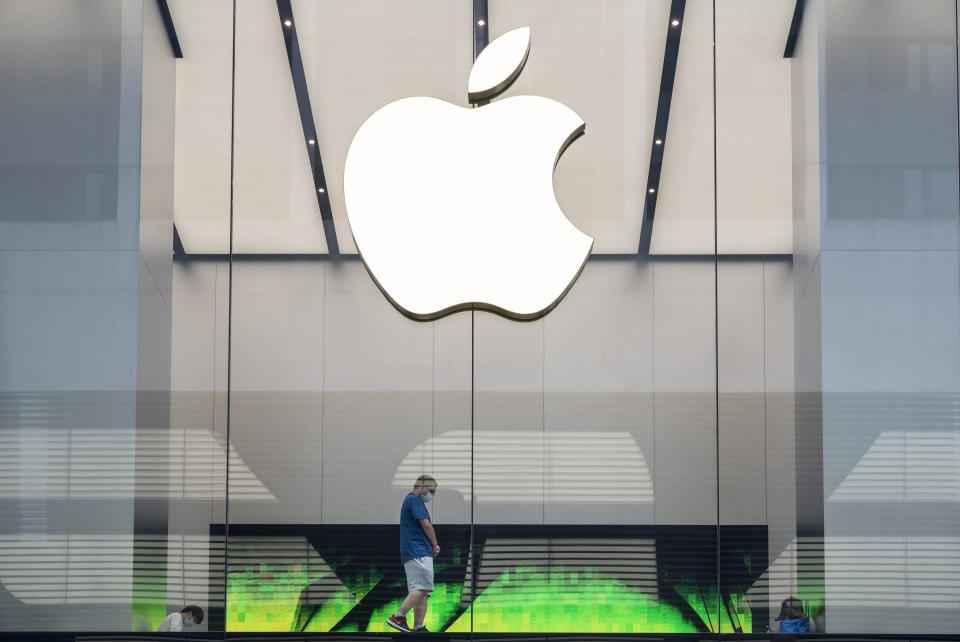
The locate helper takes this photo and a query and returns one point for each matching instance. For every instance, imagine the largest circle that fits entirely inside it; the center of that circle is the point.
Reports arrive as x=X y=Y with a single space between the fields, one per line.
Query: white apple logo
x=453 y=208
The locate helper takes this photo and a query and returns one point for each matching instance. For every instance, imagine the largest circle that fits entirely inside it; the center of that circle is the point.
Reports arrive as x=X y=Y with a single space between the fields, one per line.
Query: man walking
x=418 y=547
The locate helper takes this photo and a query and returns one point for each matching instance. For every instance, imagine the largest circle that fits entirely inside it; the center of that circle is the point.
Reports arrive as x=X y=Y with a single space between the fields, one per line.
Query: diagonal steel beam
x=667 y=76
x=794 y=28
x=171 y=31
x=289 y=28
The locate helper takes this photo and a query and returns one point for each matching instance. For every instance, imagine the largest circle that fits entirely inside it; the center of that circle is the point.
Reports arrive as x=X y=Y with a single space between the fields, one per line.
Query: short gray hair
x=424 y=480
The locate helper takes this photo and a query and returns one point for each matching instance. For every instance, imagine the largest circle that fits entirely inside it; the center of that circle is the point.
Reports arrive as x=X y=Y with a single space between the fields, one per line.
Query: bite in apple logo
x=452 y=208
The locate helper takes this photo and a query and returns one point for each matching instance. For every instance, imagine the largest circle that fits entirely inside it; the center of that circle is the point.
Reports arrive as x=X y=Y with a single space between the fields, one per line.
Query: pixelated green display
x=329 y=613
x=442 y=607
x=740 y=612
x=150 y=604
x=521 y=600
x=702 y=602
x=264 y=597
x=524 y=600
x=812 y=596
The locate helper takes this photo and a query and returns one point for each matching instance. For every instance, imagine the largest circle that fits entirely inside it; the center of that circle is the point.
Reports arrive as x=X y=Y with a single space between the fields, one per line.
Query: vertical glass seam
x=471 y=553
x=226 y=493
x=716 y=318
x=480 y=39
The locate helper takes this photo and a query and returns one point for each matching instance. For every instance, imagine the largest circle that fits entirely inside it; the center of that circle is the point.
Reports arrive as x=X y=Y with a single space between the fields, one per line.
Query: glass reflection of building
x=204 y=400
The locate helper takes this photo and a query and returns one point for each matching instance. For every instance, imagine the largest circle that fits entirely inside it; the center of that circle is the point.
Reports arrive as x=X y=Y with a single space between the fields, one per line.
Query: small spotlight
x=312 y=142
x=288 y=23
x=481 y=22
x=651 y=190
x=322 y=191
x=675 y=22
x=658 y=142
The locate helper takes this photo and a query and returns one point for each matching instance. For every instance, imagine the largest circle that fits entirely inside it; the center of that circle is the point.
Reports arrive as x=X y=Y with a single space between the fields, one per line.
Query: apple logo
x=452 y=208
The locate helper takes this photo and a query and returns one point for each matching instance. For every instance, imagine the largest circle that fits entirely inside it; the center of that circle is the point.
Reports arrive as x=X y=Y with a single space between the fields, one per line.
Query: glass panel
x=109 y=482
x=757 y=504
x=198 y=450
x=853 y=475
x=889 y=320
x=594 y=513
x=338 y=402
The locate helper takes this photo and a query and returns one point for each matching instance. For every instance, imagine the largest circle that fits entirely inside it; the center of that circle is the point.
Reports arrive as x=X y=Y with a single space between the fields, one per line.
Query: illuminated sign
x=453 y=208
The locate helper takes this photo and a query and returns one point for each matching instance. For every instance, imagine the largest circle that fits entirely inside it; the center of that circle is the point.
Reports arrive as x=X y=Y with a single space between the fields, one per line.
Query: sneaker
x=421 y=629
x=399 y=622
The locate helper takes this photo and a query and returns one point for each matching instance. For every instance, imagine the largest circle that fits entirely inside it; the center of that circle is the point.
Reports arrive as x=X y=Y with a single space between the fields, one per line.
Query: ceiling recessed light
x=481 y=22
x=651 y=190
x=658 y=142
x=675 y=22
x=312 y=142
x=322 y=191
x=287 y=22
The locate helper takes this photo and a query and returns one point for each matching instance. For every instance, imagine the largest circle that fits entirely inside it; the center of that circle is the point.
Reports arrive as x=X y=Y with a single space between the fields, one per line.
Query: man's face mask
x=427 y=497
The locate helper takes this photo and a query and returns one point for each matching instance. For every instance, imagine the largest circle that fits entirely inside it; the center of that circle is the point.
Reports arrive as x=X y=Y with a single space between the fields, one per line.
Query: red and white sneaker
x=399 y=622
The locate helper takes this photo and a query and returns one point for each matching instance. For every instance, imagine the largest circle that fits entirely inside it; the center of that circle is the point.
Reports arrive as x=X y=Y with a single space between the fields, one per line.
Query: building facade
x=749 y=393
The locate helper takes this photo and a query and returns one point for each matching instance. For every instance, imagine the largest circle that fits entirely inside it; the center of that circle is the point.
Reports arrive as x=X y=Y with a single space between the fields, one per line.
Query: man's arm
x=432 y=536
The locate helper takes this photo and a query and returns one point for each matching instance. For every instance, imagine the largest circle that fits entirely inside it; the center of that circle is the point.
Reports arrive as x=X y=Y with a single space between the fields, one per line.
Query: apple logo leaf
x=498 y=65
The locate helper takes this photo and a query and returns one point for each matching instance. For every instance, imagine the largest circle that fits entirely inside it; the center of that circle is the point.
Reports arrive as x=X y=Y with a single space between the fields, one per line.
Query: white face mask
x=188 y=621
x=427 y=498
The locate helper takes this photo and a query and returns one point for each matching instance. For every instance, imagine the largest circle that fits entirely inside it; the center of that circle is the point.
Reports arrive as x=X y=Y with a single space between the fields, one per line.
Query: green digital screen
x=515 y=579
x=525 y=600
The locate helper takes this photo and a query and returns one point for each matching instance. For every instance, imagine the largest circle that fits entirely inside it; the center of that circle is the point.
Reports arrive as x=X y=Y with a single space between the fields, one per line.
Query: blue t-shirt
x=413 y=541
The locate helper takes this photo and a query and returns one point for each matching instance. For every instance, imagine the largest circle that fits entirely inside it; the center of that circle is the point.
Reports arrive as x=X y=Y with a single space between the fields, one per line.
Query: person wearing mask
x=188 y=616
x=418 y=547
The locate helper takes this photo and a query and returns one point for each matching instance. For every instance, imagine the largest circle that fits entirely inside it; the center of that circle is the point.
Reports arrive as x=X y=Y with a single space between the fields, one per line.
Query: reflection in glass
x=606 y=467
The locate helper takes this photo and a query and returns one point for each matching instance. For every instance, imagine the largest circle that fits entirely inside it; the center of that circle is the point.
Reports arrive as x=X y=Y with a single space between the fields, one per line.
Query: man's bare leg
x=420 y=609
x=413 y=597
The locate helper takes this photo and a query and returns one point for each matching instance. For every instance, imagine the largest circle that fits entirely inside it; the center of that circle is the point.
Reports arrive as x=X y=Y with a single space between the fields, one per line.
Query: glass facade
x=749 y=394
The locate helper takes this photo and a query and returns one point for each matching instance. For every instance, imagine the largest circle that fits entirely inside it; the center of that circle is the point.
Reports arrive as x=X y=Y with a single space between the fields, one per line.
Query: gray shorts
x=419 y=574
